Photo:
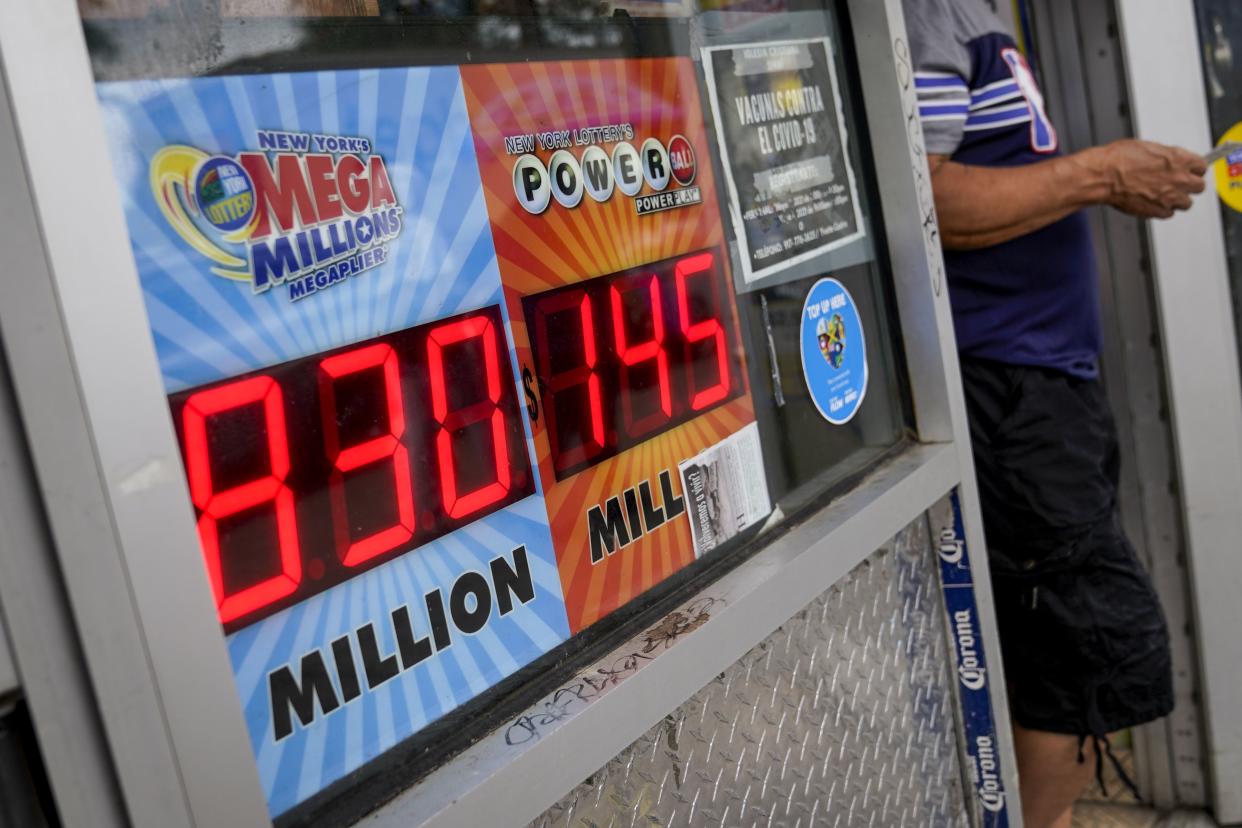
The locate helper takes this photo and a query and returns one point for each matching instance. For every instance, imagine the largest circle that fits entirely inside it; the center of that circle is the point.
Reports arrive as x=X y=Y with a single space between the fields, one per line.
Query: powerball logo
x=305 y=211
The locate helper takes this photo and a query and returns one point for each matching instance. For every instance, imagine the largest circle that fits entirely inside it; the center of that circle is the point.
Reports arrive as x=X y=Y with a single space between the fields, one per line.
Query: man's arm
x=983 y=206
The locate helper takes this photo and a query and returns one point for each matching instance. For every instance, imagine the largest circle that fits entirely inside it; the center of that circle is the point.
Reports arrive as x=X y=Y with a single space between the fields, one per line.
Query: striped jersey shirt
x=1032 y=300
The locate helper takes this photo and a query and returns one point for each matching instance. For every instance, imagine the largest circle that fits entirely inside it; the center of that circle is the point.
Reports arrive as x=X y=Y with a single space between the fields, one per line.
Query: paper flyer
x=726 y=490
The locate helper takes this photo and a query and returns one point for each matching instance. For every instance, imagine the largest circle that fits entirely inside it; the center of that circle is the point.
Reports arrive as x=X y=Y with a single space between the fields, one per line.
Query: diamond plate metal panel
x=842 y=717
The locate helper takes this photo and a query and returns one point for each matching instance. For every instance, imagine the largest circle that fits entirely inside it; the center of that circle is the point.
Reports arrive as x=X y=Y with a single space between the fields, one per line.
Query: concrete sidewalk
x=1113 y=815
x=1120 y=809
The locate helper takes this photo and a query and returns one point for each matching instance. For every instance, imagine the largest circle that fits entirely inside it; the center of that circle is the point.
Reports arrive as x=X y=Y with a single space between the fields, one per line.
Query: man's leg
x=1050 y=776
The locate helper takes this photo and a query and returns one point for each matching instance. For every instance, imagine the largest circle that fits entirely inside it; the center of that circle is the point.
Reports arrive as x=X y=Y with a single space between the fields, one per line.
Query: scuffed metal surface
x=842 y=717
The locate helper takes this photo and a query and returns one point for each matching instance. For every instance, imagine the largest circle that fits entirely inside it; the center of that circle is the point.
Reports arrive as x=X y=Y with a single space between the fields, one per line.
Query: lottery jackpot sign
x=433 y=368
x=344 y=393
x=615 y=273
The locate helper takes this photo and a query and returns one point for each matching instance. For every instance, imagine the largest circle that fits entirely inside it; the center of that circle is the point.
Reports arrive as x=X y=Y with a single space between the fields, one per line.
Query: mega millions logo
x=305 y=211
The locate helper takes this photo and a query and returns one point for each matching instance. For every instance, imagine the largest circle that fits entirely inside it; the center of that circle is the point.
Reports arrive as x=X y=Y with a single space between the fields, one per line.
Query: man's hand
x=984 y=206
x=1149 y=180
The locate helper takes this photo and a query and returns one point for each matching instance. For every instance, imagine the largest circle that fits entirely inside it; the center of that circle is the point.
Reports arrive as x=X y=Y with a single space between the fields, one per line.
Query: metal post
x=100 y=439
x=8 y=673
x=1188 y=259
x=1084 y=77
x=36 y=610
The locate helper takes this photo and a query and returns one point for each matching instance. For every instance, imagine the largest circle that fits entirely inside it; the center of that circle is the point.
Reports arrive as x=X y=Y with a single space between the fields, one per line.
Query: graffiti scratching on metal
x=842 y=717
x=918 y=157
x=586 y=687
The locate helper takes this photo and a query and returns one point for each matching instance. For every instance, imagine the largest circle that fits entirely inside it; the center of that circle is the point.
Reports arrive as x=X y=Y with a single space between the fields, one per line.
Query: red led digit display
x=386 y=447
x=625 y=357
x=267 y=491
x=484 y=411
x=309 y=472
x=702 y=304
x=573 y=402
x=634 y=356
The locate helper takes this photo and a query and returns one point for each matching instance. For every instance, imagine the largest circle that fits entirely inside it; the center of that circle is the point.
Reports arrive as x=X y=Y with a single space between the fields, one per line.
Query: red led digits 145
x=309 y=472
x=628 y=356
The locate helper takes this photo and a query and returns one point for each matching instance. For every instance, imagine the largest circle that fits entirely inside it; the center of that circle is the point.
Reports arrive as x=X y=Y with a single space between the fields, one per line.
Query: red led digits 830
x=306 y=473
x=625 y=357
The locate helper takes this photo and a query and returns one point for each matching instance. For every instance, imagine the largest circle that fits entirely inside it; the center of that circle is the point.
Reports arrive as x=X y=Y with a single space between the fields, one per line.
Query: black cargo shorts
x=1084 y=640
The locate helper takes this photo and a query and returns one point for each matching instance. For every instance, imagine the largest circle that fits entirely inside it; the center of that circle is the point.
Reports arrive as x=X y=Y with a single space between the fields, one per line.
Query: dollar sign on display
x=532 y=404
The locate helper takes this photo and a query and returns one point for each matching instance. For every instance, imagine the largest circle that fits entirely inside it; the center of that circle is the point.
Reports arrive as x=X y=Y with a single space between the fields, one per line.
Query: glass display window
x=486 y=329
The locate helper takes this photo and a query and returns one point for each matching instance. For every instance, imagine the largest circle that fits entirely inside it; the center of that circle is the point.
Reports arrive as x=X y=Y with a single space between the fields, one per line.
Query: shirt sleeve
x=942 y=71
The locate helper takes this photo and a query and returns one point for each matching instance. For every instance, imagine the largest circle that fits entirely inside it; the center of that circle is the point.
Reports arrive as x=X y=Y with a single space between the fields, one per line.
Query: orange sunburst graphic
x=537 y=106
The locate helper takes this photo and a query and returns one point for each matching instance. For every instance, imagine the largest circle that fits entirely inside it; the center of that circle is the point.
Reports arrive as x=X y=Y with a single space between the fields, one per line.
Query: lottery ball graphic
x=831 y=336
x=224 y=193
x=681 y=159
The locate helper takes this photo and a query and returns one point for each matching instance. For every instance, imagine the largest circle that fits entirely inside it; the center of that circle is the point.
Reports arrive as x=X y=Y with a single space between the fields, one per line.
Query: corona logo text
x=950 y=546
x=969 y=663
x=987 y=775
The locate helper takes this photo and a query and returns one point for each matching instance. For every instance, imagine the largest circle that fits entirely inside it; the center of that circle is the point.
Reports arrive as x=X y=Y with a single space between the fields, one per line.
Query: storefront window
x=485 y=328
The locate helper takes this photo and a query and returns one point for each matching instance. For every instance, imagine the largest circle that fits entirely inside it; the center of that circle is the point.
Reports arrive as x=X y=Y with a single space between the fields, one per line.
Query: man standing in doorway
x=1084 y=641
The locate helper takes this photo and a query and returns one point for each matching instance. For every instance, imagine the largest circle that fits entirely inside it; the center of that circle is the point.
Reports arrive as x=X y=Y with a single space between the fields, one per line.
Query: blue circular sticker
x=834 y=351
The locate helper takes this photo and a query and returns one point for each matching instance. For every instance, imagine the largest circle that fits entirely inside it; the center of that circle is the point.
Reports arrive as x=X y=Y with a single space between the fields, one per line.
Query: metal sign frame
x=8 y=673
x=120 y=521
